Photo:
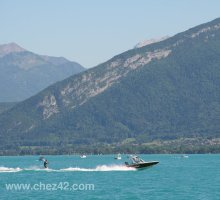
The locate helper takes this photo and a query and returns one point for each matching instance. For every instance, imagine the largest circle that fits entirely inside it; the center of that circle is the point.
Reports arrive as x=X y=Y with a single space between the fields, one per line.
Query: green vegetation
x=180 y=146
x=6 y=106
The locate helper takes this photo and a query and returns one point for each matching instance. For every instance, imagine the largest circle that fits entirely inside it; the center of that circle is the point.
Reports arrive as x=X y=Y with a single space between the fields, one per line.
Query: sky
x=92 y=31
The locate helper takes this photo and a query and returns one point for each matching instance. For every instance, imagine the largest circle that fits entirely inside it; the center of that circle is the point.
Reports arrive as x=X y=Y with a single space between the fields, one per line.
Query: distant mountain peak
x=26 y=73
x=10 y=48
x=150 y=41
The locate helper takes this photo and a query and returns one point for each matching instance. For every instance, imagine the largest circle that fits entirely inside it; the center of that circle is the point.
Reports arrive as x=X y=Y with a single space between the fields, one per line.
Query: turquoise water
x=196 y=177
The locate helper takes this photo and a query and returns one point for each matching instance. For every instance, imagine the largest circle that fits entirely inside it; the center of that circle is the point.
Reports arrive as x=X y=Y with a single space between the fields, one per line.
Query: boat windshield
x=136 y=159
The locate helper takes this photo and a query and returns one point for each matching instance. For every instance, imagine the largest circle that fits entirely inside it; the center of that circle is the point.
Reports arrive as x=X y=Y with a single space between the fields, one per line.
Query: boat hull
x=143 y=165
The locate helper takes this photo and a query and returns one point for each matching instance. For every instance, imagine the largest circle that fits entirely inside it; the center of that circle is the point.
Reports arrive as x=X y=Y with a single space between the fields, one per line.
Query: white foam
x=8 y=170
x=36 y=168
x=102 y=168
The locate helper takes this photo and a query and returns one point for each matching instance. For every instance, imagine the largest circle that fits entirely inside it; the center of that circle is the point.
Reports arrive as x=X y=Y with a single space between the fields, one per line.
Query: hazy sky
x=92 y=31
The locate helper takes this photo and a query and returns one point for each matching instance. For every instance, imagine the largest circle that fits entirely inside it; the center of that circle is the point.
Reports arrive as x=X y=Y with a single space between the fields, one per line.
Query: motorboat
x=82 y=156
x=118 y=157
x=137 y=162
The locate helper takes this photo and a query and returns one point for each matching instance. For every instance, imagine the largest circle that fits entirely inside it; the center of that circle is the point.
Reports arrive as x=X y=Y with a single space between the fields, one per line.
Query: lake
x=102 y=177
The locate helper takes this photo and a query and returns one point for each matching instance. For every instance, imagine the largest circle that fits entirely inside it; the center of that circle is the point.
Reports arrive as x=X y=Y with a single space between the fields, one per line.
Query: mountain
x=24 y=73
x=166 y=93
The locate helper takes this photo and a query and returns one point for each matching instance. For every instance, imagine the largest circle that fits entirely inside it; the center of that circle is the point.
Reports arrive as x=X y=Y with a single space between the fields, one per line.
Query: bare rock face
x=88 y=85
x=49 y=106
x=150 y=41
x=206 y=29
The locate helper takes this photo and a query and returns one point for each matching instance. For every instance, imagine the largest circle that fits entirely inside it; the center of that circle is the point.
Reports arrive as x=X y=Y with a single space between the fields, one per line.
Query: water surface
x=196 y=177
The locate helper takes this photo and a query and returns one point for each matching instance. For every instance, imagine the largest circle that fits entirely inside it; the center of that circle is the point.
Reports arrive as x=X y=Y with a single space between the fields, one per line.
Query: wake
x=17 y=169
x=99 y=168
x=8 y=170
